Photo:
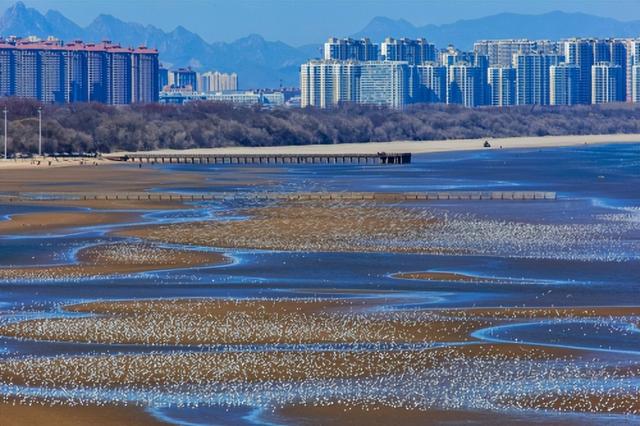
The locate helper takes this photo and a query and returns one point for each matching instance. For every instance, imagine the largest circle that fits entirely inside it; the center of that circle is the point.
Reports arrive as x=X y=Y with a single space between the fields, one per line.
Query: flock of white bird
x=349 y=367
x=442 y=378
x=371 y=227
x=354 y=358
x=164 y=327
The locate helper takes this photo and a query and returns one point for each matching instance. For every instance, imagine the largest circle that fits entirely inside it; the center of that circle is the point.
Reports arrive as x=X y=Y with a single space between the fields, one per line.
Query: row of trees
x=101 y=128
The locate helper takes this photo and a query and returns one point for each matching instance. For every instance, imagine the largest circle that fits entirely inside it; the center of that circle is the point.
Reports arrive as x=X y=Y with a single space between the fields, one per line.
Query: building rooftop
x=32 y=43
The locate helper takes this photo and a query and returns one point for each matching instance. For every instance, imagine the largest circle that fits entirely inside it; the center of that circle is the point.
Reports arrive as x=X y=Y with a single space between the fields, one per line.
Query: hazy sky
x=308 y=21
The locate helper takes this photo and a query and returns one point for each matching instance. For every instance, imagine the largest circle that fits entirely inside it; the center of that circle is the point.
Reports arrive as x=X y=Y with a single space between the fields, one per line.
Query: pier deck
x=184 y=158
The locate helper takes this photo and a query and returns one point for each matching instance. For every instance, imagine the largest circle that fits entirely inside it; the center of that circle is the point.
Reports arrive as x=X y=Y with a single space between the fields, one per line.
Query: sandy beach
x=415 y=147
x=50 y=162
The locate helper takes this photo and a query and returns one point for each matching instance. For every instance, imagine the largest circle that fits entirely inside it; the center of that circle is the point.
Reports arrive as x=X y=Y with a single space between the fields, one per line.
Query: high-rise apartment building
x=432 y=83
x=384 y=83
x=464 y=85
x=119 y=64
x=328 y=83
x=501 y=85
x=635 y=84
x=482 y=63
x=580 y=52
x=350 y=49
x=53 y=72
x=316 y=83
x=163 y=78
x=564 y=84
x=633 y=59
x=607 y=83
x=145 y=75
x=452 y=56
x=214 y=81
x=618 y=55
x=501 y=52
x=414 y=52
x=184 y=78
x=532 y=77
x=615 y=52
x=601 y=50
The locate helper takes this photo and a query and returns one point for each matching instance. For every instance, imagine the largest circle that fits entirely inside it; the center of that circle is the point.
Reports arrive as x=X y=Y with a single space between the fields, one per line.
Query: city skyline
x=310 y=21
x=499 y=72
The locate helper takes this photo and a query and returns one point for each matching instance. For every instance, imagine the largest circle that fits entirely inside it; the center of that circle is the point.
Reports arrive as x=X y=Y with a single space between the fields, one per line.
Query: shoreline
x=414 y=147
x=404 y=146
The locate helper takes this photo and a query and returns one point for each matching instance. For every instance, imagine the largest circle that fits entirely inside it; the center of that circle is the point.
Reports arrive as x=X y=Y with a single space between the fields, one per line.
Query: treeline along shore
x=89 y=127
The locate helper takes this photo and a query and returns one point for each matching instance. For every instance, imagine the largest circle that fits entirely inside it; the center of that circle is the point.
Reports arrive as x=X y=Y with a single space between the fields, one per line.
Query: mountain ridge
x=262 y=63
x=462 y=33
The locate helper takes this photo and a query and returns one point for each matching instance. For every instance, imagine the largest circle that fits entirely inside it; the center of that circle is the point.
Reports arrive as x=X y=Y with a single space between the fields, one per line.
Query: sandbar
x=309 y=226
x=116 y=258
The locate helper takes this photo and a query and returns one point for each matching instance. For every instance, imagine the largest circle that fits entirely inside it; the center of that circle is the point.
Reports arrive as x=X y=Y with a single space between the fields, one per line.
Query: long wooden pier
x=285 y=196
x=185 y=158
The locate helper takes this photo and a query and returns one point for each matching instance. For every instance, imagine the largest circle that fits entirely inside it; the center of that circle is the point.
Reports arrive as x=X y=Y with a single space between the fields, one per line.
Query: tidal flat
x=259 y=311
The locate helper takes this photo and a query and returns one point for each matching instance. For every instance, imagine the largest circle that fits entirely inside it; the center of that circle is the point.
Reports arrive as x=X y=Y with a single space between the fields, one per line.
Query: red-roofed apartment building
x=54 y=72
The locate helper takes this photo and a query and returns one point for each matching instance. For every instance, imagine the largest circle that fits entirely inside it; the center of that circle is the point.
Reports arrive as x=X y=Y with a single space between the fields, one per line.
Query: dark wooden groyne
x=184 y=158
x=284 y=196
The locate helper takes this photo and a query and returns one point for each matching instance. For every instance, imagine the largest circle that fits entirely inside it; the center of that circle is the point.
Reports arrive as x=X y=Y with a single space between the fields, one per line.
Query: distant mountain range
x=552 y=25
x=262 y=63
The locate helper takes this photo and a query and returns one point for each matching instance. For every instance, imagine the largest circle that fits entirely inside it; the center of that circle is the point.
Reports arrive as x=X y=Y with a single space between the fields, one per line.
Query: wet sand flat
x=44 y=415
x=104 y=205
x=308 y=226
x=113 y=177
x=32 y=223
x=117 y=258
x=379 y=227
x=348 y=360
x=336 y=413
